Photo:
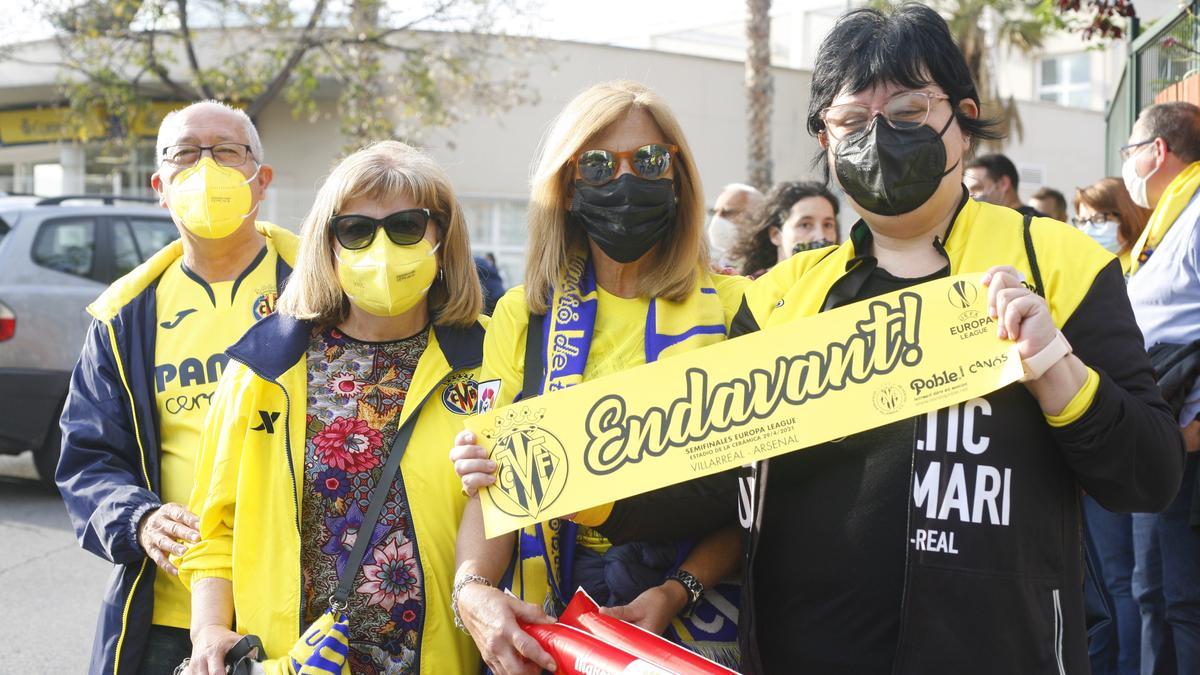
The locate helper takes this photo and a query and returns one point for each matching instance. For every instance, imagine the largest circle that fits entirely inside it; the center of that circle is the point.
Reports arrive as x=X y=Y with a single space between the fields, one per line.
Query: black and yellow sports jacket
x=1010 y=599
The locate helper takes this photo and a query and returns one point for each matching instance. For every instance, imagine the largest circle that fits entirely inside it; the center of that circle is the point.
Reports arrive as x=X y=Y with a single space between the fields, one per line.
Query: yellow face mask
x=385 y=279
x=211 y=200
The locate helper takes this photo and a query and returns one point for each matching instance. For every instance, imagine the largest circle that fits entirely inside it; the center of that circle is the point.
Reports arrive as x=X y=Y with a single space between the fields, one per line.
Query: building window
x=498 y=226
x=1066 y=80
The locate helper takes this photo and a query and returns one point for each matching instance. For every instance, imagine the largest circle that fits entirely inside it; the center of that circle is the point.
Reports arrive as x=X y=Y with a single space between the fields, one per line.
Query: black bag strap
x=341 y=597
x=1031 y=255
x=238 y=657
x=535 y=351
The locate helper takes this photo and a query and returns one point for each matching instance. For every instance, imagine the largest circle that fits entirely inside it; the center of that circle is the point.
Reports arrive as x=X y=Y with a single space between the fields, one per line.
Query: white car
x=56 y=256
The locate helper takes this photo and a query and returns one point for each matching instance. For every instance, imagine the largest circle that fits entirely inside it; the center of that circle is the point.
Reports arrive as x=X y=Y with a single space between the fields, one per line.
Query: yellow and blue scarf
x=670 y=328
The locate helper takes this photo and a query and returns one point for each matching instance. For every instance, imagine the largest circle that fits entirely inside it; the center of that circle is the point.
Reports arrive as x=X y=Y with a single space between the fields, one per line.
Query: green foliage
x=391 y=69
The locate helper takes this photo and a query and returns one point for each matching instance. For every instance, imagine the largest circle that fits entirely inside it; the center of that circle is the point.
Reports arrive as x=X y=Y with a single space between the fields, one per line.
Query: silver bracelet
x=458 y=586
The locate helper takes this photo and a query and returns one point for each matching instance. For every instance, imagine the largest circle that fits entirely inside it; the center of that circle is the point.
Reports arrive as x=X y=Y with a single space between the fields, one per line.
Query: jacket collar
x=124 y=290
x=278 y=342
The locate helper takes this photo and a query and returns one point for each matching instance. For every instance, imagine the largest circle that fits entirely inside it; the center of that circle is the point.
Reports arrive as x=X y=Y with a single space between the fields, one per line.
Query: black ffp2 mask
x=891 y=171
x=626 y=217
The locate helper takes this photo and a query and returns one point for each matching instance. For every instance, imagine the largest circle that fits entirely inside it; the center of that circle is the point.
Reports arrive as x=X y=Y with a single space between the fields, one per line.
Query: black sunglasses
x=404 y=228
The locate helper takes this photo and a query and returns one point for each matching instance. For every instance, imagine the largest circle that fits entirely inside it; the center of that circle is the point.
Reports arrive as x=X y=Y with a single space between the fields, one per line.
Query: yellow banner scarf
x=1174 y=199
x=779 y=390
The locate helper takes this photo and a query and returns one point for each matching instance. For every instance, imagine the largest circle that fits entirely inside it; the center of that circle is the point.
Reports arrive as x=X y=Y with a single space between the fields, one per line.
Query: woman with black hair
x=796 y=216
x=948 y=542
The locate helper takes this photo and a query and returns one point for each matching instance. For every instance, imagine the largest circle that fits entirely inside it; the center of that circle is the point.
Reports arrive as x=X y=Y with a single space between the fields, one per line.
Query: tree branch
x=156 y=67
x=303 y=44
x=191 y=50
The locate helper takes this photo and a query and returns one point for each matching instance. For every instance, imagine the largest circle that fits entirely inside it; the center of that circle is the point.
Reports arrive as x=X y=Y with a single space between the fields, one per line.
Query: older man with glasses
x=1161 y=170
x=131 y=423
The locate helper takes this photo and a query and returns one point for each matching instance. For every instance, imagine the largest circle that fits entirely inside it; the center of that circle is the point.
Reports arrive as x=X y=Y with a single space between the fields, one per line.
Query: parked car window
x=152 y=234
x=136 y=239
x=125 y=249
x=67 y=245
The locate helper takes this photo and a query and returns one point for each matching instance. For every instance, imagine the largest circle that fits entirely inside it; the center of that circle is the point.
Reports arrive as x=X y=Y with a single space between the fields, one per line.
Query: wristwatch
x=1037 y=365
x=693 y=587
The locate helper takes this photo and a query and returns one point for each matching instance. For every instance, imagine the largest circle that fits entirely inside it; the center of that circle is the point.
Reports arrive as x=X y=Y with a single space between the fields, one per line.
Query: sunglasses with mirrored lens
x=597 y=167
x=404 y=228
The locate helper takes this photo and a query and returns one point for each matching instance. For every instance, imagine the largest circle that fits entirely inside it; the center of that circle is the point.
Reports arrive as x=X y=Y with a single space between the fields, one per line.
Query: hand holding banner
x=775 y=391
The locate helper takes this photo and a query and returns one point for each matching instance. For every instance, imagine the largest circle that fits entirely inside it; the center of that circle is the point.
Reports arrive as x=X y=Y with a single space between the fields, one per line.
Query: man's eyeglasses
x=186 y=155
x=404 y=228
x=906 y=110
x=1127 y=150
x=597 y=167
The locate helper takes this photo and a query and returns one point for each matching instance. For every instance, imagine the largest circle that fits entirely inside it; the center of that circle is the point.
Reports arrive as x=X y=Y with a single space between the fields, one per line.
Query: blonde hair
x=380 y=171
x=552 y=238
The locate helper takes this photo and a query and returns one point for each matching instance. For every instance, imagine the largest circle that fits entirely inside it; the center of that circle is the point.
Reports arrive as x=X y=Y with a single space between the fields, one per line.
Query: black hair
x=1050 y=194
x=910 y=46
x=998 y=166
x=754 y=251
x=1177 y=123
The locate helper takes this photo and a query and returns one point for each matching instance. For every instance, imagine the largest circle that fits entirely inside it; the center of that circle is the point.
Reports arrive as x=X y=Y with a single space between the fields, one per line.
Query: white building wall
x=1064 y=145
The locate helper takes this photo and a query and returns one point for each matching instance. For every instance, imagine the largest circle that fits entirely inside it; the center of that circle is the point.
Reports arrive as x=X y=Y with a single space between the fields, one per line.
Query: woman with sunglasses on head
x=1106 y=213
x=332 y=415
x=616 y=276
x=796 y=216
x=948 y=542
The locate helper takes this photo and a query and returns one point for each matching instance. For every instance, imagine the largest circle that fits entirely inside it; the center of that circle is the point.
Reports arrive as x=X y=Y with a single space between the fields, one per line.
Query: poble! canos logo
x=532 y=464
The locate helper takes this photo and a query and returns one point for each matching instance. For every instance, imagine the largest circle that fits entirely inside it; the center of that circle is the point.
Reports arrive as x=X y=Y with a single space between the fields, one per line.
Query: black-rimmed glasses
x=185 y=155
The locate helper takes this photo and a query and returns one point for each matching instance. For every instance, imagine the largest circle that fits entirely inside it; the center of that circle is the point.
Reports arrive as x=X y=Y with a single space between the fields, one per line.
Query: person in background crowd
x=372 y=357
x=489 y=279
x=796 y=216
x=134 y=413
x=730 y=217
x=1105 y=212
x=1161 y=170
x=618 y=273
x=1050 y=202
x=895 y=111
x=993 y=179
x=1107 y=215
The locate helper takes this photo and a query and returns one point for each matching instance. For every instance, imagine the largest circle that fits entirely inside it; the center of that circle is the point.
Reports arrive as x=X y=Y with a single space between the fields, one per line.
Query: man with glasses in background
x=1161 y=170
x=132 y=419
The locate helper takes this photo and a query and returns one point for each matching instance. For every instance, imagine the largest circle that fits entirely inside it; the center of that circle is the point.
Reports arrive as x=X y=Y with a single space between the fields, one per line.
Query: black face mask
x=802 y=246
x=625 y=217
x=889 y=171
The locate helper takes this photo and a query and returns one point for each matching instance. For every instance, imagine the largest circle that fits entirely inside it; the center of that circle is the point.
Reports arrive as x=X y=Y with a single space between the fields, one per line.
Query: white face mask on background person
x=1135 y=184
x=1104 y=233
x=722 y=237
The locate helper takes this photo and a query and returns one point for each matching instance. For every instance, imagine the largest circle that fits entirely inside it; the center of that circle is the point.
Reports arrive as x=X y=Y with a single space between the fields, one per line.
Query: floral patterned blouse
x=356 y=391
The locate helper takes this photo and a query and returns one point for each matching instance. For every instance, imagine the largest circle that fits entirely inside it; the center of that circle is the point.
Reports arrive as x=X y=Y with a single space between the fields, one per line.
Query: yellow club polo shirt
x=197 y=321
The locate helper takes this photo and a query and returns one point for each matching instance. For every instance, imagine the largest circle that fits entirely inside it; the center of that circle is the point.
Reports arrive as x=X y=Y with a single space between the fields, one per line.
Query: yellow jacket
x=249 y=482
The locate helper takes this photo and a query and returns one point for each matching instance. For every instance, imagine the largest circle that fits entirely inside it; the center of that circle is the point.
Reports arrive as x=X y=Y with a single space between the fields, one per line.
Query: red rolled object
x=578 y=653
x=583 y=613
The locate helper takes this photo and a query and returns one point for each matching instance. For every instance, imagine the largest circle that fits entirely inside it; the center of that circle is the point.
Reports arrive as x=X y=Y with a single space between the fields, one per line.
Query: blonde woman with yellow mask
x=616 y=275
x=327 y=431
